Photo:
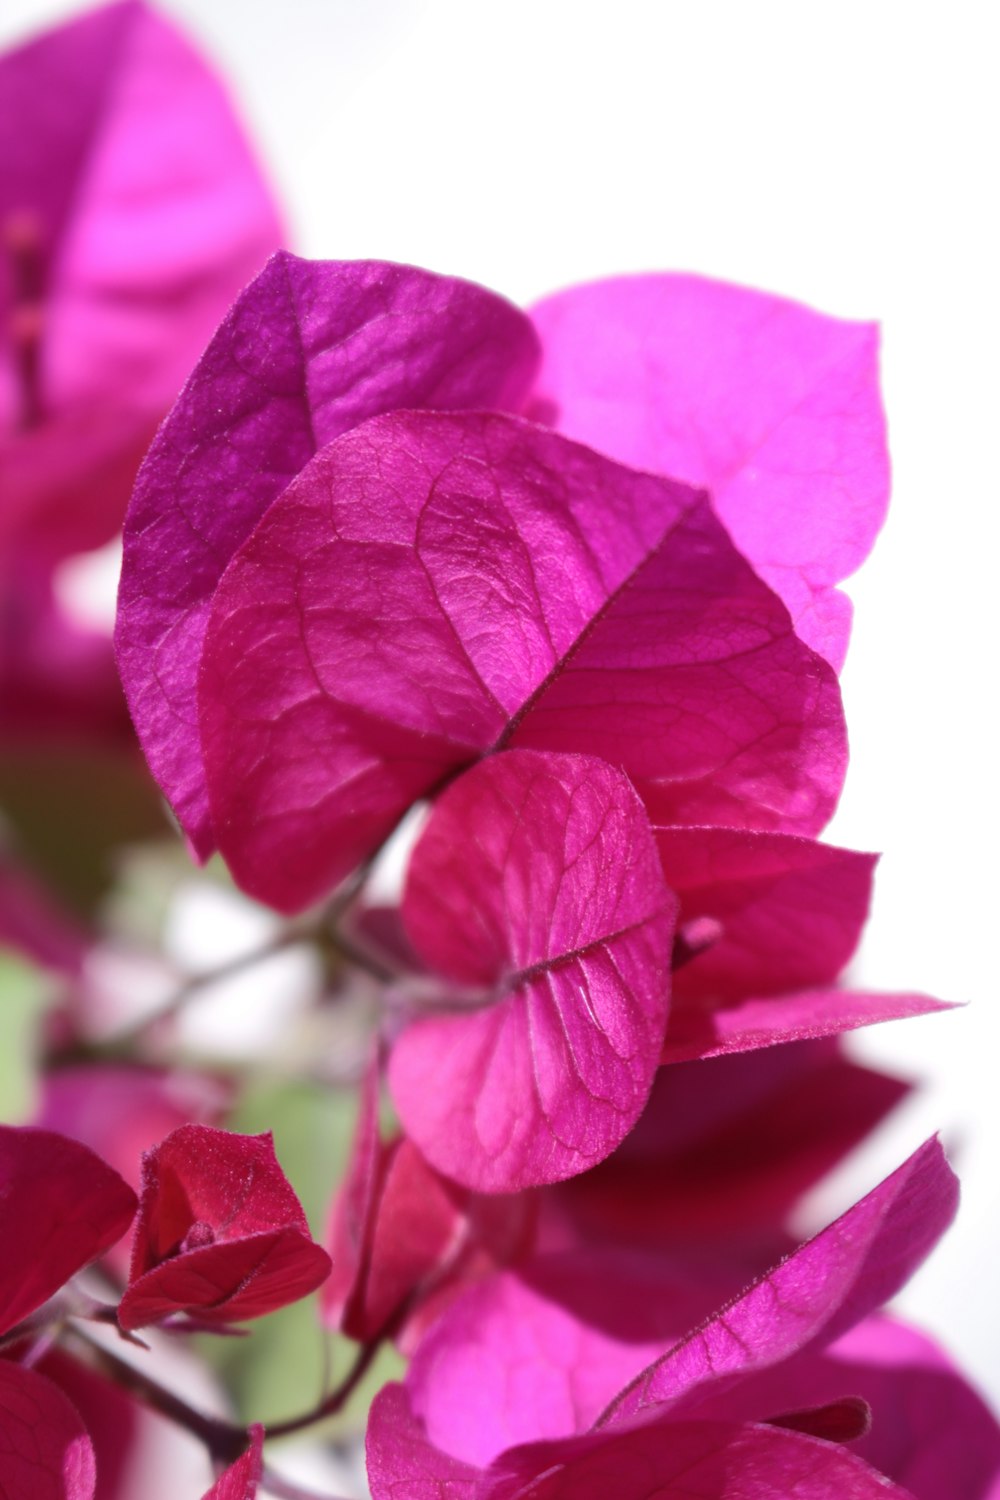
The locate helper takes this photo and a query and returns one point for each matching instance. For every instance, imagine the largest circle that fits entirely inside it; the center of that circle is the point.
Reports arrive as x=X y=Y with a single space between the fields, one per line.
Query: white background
x=841 y=154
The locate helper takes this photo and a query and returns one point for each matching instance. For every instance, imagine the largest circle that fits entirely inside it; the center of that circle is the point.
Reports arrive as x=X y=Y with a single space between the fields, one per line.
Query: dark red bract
x=221 y=1235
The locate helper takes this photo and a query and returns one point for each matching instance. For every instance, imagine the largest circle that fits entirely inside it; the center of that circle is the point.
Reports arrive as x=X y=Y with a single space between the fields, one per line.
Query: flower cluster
x=541 y=608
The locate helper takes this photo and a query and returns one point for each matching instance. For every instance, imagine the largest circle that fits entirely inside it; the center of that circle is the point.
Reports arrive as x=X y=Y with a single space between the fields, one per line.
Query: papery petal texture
x=220 y=1233
x=774 y=407
x=45 y=1453
x=133 y=211
x=537 y=879
x=241 y=1479
x=432 y=587
x=309 y=350
x=61 y=1206
x=817 y=1293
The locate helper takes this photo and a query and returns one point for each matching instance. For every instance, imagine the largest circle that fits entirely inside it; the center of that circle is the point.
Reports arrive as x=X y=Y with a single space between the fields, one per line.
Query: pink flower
x=755 y=735
x=131 y=211
x=572 y=1398
x=220 y=1234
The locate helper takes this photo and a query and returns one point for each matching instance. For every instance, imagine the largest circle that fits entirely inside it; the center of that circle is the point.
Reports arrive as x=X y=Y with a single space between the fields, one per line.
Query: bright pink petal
x=137 y=211
x=539 y=1354
x=402 y=1463
x=45 y=1453
x=812 y=1297
x=773 y=407
x=241 y=1479
x=790 y=910
x=433 y=587
x=689 y=1461
x=62 y=1208
x=309 y=350
x=538 y=877
x=700 y=1031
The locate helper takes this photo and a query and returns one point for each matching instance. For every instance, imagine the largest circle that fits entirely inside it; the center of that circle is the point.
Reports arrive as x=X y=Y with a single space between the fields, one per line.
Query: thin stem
x=336 y=1400
x=224 y=1440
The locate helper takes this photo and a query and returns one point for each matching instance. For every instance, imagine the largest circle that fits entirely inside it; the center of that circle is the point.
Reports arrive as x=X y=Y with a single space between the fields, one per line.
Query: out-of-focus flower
x=62 y=1207
x=131 y=211
x=220 y=1234
x=771 y=406
x=701 y=1416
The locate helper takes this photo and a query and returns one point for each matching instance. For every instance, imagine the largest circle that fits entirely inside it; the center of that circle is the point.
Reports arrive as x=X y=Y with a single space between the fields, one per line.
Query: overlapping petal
x=818 y=1293
x=309 y=350
x=772 y=406
x=536 y=881
x=433 y=587
x=220 y=1234
x=402 y=1236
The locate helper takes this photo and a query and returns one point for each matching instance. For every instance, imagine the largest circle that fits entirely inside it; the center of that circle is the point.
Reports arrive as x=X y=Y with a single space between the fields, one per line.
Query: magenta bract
x=62 y=1206
x=807 y=1301
x=403 y=1237
x=220 y=1233
x=724 y=1150
x=131 y=211
x=310 y=349
x=44 y=1448
x=536 y=886
x=773 y=407
x=433 y=587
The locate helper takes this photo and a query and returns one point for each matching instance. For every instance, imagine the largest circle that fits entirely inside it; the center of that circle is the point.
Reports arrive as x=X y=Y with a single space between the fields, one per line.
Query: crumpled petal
x=62 y=1208
x=45 y=1453
x=536 y=876
x=220 y=1232
x=772 y=406
x=432 y=587
x=128 y=183
x=309 y=350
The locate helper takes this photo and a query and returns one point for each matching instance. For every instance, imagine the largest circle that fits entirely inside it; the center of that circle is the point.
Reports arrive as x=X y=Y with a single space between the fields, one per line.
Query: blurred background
x=842 y=155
